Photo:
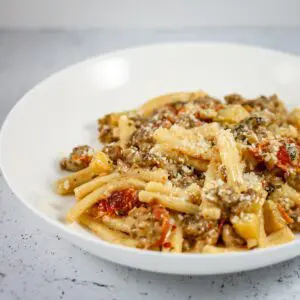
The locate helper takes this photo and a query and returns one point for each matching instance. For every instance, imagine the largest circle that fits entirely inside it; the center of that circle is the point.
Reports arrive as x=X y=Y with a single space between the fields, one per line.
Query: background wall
x=69 y=14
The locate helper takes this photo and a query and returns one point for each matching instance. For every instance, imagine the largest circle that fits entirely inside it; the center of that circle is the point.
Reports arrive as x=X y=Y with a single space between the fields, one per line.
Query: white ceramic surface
x=62 y=111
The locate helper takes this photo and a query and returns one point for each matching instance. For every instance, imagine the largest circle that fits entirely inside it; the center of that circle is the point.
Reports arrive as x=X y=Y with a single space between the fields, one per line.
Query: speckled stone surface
x=35 y=263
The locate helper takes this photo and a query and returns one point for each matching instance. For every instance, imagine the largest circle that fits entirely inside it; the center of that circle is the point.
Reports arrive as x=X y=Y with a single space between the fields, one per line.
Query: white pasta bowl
x=61 y=112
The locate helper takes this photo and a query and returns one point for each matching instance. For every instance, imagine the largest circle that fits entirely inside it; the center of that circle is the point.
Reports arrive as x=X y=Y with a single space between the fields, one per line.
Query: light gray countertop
x=37 y=264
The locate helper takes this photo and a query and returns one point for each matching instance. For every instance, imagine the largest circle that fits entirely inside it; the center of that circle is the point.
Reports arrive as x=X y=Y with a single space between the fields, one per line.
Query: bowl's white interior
x=62 y=111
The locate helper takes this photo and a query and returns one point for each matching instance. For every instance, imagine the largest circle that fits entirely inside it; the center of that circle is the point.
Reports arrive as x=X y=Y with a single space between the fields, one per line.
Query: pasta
x=174 y=241
x=199 y=164
x=231 y=159
x=126 y=129
x=186 y=141
x=101 y=193
x=160 y=101
x=99 y=164
x=186 y=172
x=92 y=185
x=107 y=234
x=210 y=210
x=118 y=224
x=158 y=175
x=174 y=203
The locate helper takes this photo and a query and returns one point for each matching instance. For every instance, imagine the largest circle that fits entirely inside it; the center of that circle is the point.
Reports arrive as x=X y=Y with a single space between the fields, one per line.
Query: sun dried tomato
x=283 y=156
x=119 y=203
x=167 y=245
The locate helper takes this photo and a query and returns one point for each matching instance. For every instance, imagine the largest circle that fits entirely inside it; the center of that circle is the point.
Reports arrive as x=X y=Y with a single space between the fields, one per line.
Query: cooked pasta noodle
x=188 y=173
